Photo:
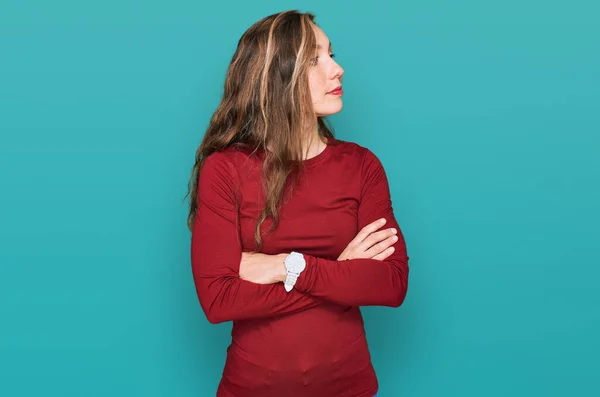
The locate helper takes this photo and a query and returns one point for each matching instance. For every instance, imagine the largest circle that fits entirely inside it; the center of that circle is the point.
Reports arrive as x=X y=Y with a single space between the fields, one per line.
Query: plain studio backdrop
x=485 y=114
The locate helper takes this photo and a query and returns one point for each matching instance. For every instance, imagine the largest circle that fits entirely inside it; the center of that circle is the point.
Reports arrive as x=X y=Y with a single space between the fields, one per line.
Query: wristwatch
x=294 y=264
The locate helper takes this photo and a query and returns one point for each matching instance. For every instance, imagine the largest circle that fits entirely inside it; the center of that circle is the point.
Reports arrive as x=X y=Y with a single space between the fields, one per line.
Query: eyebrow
x=319 y=46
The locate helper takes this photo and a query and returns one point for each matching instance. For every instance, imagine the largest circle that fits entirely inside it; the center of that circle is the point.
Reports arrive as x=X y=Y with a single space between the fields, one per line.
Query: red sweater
x=311 y=341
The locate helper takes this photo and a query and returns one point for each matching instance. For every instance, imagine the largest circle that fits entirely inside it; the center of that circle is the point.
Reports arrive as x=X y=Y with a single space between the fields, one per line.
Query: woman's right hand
x=371 y=244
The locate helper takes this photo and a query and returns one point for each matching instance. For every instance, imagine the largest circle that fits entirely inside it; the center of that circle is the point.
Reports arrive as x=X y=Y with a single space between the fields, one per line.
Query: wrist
x=279 y=267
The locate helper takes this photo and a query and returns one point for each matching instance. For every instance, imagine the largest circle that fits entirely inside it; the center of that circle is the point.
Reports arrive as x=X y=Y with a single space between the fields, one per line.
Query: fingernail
x=394 y=231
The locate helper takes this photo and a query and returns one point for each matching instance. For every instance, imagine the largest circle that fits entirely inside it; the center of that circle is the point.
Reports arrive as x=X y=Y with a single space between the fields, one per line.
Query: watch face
x=295 y=263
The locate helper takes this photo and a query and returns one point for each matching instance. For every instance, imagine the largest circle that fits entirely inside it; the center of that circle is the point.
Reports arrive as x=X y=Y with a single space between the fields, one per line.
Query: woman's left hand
x=262 y=268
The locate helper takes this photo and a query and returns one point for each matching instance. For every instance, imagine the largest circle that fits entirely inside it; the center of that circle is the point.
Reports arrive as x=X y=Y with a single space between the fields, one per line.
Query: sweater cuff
x=306 y=279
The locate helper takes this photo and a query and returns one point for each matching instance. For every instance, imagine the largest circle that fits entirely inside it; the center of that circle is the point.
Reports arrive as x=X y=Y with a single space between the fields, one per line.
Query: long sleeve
x=216 y=254
x=363 y=282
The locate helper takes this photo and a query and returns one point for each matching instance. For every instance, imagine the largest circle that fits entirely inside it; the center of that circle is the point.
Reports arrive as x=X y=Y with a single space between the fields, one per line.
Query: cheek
x=314 y=92
x=316 y=82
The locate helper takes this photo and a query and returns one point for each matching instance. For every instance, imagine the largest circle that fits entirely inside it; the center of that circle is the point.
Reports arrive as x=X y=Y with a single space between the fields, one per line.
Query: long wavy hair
x=266 y=104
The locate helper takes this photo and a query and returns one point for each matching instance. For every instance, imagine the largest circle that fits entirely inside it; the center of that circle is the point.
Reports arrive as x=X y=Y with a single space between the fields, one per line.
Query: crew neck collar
x=325 y=154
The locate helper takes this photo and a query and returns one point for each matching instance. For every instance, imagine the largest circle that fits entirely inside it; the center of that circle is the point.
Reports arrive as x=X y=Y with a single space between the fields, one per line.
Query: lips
x=336 y=91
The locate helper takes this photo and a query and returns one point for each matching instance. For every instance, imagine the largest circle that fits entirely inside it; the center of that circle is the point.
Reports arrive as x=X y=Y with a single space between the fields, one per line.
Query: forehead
x=322 y=39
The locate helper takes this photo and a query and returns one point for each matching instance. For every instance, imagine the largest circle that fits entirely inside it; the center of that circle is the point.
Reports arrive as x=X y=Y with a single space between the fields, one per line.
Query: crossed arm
x=234 y=286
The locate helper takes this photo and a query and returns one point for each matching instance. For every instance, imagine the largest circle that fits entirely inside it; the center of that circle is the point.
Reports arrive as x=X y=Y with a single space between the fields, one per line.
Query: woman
x=287 y=222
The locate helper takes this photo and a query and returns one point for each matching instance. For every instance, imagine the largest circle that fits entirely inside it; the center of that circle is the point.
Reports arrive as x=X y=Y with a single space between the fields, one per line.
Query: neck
x=314 y=144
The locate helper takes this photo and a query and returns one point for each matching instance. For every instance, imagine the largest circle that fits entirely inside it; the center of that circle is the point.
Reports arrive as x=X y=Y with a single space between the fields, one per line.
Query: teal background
x=486 y=116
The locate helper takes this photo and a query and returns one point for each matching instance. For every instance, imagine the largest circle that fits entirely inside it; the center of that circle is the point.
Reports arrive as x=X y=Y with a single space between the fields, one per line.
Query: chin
x=329 y=111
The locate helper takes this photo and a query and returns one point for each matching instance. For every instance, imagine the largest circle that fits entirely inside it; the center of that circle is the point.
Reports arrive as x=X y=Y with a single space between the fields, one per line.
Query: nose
x=337 y=71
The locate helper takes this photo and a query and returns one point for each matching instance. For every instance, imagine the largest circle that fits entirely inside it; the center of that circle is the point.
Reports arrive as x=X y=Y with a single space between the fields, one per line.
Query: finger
x=377 y=237
x=382 y=246
x=370 y=228
x=384 y=255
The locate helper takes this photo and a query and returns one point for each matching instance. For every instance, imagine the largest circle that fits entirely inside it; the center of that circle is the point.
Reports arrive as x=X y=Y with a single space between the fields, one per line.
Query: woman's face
x=325 y=78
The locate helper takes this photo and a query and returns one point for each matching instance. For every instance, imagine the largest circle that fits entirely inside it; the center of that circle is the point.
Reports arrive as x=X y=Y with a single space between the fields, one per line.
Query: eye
x=315 y=60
